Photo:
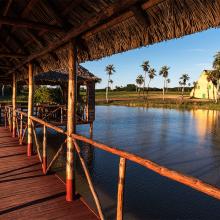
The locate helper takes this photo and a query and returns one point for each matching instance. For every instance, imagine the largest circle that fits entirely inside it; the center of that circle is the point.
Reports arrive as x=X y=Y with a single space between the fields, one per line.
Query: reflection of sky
x=182 y=140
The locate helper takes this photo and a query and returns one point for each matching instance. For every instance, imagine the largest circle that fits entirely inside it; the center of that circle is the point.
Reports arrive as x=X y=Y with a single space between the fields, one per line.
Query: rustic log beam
x=4 y=67
x=28 y=8
x=30 y=110
x=7 y=7
x=71 y=121
x=13 y=55
x=21 y=23
x=121 y=183
x=14 y=90
x=116 y=8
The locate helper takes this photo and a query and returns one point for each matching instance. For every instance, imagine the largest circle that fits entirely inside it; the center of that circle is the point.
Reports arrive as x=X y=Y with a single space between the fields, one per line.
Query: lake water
x=187 y=141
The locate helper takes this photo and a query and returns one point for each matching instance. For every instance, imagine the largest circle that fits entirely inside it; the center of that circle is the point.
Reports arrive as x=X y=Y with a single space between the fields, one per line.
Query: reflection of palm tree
x=110 y=69
x=164 y=73
x=139 y=81
x=145 y=67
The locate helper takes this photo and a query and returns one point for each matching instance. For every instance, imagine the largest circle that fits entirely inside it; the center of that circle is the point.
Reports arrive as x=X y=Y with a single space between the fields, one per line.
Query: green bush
x=44 y=94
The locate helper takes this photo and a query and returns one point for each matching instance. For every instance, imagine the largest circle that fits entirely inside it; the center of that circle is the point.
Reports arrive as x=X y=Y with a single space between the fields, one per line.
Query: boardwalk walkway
x=25 y=193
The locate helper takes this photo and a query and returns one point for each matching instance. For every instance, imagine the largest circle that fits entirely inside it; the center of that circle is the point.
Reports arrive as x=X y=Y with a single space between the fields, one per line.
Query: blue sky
x=190 y=54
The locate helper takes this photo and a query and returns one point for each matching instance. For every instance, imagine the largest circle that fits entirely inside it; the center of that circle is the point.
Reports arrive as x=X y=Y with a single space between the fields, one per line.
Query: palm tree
x=195 y=83
x=164 y=72
x=180 y=84
x=111 y=82
x=211 y=78
x=110 y=70
x=216 y=73
x=151 y=75
x=139 y=81
x=145 y=66
x=184 y=78
x=189 y=85
x=168 y=82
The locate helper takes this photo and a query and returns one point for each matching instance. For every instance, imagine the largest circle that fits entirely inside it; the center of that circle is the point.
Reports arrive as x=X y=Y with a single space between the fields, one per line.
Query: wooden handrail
x=187 y=180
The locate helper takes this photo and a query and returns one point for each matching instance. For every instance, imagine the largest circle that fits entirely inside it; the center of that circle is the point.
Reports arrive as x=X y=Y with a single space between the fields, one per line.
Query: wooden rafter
x=13 y=55
x=7 y=7
x=21 y=23
x=115 y=12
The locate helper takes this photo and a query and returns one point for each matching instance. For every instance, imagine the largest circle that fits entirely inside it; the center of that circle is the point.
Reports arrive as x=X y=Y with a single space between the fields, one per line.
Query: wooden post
x=71 y=121
x=5 y=112
x=14 y=106
x=21 y=130
x=9 y=119
x=91 y=130
x=44 y=149
x=121 y=182
x=30 y=110
x=61 y=115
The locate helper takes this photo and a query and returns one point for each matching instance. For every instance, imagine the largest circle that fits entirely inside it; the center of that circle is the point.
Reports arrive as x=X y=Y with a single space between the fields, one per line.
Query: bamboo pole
x=91 y=130
x=21 y=129
x=89 y=179
x=30 y=110
x=44 y=149
x=6 y=118
x=71 y=121
x=14 y=106
x=121 y=182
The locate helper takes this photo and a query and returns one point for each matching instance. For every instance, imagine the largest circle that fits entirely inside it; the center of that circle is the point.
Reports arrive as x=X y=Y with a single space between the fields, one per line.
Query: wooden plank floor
x=25 y=193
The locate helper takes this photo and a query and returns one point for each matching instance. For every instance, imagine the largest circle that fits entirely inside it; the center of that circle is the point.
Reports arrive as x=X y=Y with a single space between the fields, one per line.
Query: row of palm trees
x=151 y=72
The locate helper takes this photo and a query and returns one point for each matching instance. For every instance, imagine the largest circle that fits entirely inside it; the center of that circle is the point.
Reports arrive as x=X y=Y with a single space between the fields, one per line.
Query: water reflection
x=187 y=141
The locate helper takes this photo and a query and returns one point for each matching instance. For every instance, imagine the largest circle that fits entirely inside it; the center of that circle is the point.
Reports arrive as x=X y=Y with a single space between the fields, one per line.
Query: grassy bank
x=155 y=100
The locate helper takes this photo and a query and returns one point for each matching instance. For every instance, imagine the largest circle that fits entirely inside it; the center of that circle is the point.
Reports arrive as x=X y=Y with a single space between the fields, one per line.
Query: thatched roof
x=38 y=30
x=54 y=78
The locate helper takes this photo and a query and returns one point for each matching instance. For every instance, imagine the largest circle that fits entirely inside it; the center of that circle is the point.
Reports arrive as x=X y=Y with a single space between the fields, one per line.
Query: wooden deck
x=25 y=193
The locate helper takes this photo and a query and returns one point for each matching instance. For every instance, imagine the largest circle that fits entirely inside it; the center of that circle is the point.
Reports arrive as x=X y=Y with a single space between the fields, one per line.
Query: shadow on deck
x=26 y=193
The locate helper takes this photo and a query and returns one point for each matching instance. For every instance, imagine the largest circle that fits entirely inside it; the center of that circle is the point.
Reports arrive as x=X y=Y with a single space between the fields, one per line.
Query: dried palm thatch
x=54 y=78
x=101 y=27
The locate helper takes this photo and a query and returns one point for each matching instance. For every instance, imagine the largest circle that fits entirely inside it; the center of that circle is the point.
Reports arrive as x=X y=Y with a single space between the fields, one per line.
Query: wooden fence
x=123 y=155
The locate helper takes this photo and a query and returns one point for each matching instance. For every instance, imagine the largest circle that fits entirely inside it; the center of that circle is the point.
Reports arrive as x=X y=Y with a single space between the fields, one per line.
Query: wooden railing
x=123 y=155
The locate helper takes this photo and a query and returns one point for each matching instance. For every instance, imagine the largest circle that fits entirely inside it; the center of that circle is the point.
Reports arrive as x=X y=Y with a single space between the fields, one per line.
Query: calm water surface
x=187 y=141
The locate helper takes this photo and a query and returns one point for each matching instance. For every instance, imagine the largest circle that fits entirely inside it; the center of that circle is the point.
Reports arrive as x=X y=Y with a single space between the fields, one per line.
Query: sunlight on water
x=186 y=141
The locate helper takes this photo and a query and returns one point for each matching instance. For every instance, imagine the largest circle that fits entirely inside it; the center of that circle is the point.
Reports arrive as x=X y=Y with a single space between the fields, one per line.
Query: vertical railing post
x=91 y=130
x=21 y=130
x=14 y=106
x=5 y=112
x=9 y=119
x=44 y=149
x=121 y=182
x=71 y=121
x=30 y=110
x=61 y=115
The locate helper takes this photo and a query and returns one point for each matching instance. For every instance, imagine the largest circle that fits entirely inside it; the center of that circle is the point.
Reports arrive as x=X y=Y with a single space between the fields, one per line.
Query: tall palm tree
x=164 y=72
x=216 y=73
x=139 y=81
x=111 y=82
x=184 y=78
x=195 y=83
x=110 y=70
x=168 y=82
x=211 y=78
x=145 y=66
x=151 y=75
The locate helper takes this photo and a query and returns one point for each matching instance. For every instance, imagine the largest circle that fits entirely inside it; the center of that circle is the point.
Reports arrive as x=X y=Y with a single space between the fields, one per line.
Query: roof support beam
x=13 y=55
x=21 y=23
x=116 y=9
x=5 y=67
